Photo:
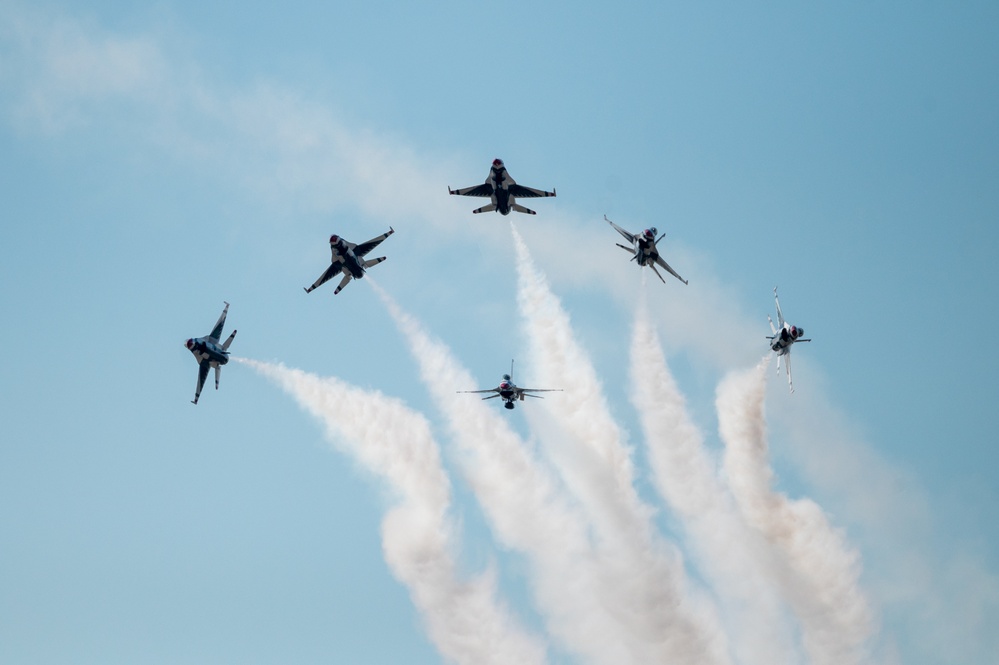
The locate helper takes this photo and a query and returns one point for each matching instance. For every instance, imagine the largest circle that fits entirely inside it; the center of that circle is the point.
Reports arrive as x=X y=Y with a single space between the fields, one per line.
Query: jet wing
x=663 y=264
x=540 y=390
x=484 y=190
x=330 y=273
x=202 y=375
x=217 y=330
x=490 y=390
x=521 y=192
x=780 y=314
x=628 y=236
x=365 y=247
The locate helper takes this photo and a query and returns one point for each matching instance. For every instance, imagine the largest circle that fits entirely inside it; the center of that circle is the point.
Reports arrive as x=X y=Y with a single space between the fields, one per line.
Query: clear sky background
x=161 y=158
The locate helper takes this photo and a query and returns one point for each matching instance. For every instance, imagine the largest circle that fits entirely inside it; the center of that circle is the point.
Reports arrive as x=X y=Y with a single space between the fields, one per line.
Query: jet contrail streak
x=649 y=585
x=822 y=571
x=464 y=619
x=524 y=505
x=732 y=556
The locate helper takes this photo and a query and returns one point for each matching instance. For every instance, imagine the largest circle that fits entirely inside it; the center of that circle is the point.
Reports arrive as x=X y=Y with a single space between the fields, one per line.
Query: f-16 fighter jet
x=511 y=392
x=348 y=259
x=503 y=191
x=643 y=248
x=782 y=340
x=210 y=353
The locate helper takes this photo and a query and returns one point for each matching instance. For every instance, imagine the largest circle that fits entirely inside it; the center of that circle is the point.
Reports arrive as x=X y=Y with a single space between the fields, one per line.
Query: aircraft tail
x=519 y=208
x=487 y=208
x=373 y=262
x=225 y=347
x=652 y=265
x=218 y=375
x=343 y=283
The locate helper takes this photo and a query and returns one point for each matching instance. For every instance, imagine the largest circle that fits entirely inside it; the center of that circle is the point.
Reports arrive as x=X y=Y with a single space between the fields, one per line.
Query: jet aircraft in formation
x=348 y=258
x=503 y=191
x=210 y=353
x=644 y=251
x=510 y=391
x=782 y=340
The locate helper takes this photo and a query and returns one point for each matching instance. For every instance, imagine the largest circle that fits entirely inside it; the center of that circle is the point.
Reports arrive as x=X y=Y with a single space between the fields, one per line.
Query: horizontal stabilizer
x=374 y=262
x=487 y=208
x=225 y=347
x=343 y=282
x=519 y=208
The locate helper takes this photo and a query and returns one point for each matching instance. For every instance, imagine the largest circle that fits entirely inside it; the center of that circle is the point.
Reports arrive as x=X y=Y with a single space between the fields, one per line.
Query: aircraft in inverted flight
x=644 y=251
x=511 y=392
x=782 y=340
x=210 y=353
x=503 y=191
x=348 y=259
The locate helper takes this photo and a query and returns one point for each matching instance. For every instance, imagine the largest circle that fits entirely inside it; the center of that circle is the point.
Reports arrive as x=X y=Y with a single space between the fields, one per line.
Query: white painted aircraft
x=644 y=251
x=510 y=391
x=348 y=258
x=782 y=340
x=503 y=191
x=210 y=353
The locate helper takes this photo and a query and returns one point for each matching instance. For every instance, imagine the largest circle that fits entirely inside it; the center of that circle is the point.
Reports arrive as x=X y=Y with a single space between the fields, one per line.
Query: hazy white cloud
x=59 y=75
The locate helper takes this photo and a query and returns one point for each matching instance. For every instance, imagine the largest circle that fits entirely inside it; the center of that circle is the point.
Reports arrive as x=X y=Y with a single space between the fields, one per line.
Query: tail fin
x=218 y=375
x=516 y=207
x=225 y=347
x=373 y=262
x=488 y=208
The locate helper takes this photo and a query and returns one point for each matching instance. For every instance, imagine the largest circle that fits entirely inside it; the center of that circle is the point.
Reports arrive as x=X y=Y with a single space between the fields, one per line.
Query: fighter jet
x=643 y=248
x=782 y=340
x=503 y=191
x=209 y=353
x=348 y=259
x=511 y=392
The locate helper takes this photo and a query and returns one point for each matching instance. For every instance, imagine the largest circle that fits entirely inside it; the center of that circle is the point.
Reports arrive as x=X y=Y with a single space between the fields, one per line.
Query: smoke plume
x=650 y=593
x=822 y=571
x=464 y=618
x=734 y=558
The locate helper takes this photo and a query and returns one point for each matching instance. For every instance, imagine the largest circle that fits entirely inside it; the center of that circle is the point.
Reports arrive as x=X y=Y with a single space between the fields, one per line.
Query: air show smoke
x=609 y=587
x=821 y=570
x=733 y=557
x=525 y=507
x=464 y=618
x=667 y=616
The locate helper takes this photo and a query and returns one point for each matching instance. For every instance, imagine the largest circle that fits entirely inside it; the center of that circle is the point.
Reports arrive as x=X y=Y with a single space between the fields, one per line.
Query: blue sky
x=158 y=160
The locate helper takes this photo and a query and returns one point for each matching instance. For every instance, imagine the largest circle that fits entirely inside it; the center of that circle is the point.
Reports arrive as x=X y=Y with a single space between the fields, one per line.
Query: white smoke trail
x=465 y=620
x=523 y=503
x=649 y=586
x=822 y=581
x=733 y=557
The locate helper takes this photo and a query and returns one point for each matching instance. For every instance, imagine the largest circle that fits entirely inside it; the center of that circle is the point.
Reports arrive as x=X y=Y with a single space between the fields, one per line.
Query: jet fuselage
x=350 y=260
x=501 y=195
x=787 y=336
x=204 y=349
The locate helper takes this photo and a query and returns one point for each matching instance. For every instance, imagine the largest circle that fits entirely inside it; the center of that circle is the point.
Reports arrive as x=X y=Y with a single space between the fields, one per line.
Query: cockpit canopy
x=189 y=344
x=506 y=377
x=797 y=332
x=497 y=163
